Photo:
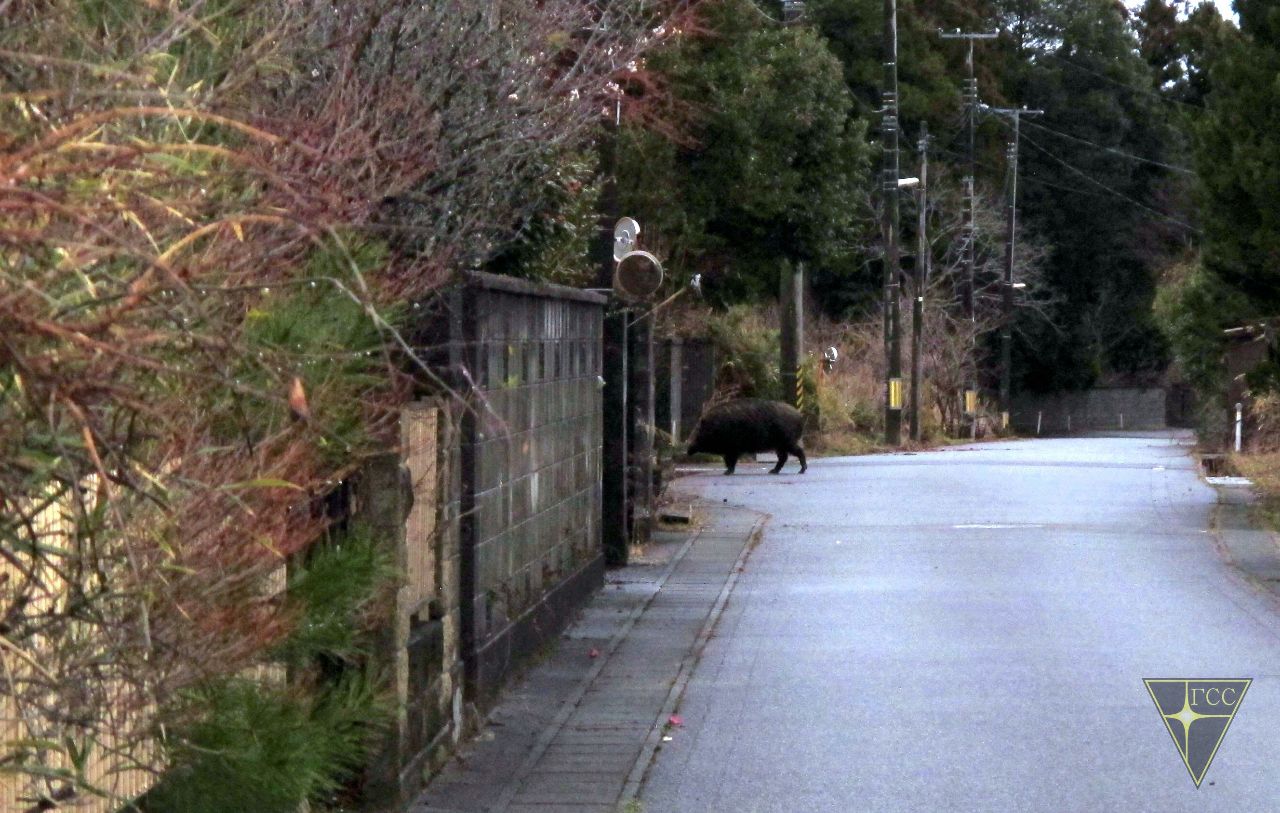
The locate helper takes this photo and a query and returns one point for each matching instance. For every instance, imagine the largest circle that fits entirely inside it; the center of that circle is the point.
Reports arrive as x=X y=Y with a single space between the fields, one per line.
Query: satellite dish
x=624 y=237
x=639 y=275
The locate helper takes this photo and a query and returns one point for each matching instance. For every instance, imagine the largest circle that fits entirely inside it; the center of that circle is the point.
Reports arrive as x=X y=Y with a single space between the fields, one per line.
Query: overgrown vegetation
x=271 y=744
x=215 y=216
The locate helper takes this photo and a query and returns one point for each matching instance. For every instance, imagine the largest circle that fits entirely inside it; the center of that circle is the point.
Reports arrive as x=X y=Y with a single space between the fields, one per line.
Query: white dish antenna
x=624 y=237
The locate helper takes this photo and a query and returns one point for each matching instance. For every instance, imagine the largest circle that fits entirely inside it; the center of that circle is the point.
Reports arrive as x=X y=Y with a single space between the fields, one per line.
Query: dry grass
x=1264 y=470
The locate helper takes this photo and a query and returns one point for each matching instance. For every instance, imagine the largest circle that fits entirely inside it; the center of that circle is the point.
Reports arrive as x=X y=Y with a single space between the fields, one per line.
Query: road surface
x=968 y=630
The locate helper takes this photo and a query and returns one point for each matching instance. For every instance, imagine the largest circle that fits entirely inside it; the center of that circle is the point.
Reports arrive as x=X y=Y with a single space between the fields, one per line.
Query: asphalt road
x=968 y=630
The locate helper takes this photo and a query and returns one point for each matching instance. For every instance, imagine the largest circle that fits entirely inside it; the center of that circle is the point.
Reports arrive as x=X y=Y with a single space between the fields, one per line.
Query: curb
x=571 y=703
x=635 y=778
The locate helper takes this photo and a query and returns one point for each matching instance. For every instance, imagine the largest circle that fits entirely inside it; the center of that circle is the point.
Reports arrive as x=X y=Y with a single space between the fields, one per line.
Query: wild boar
x=749 y=425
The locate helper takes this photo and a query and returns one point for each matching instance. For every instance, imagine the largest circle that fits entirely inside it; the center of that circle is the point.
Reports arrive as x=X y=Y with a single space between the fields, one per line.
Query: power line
x=1108 y=189
x=1148 y=91
x=1105 y=195
x=1113 y=150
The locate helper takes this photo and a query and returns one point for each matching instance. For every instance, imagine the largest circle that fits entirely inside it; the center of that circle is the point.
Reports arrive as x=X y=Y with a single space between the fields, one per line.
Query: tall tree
x=771 y=168
x=1092 y=172
x=1238 y=158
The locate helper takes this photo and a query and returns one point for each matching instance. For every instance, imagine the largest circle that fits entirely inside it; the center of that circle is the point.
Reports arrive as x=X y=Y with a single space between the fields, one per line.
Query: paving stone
x=558 y=743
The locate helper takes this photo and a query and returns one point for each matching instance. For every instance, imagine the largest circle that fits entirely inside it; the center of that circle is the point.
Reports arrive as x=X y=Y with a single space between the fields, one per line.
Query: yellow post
x=895 y=393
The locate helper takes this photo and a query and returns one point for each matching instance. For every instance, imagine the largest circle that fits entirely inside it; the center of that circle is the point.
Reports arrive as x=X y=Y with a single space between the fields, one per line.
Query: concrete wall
x=527 y=358
x=685 y=381
x=1102 y=408
x=492 y=507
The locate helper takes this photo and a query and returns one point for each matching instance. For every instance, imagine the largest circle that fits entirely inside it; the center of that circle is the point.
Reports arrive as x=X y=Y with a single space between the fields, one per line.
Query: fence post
x=1239 y=423
x=640 y=427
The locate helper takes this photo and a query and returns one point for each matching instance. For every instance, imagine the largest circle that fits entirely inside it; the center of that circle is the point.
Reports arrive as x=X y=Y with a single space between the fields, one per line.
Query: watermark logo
x=1197 y=714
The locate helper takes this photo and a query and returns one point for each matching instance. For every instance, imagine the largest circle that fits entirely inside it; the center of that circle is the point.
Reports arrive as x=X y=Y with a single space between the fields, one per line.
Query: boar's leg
x=730 y=463
x=782 y=460
x=799 y=453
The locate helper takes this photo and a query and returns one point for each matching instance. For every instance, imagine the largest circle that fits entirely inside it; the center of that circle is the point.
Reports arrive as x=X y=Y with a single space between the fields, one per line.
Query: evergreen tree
x=773 y=167
x=1238 y=158
x=1093 y=168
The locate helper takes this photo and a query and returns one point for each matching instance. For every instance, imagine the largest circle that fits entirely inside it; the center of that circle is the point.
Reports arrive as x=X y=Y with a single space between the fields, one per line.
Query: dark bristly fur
x=750 y=425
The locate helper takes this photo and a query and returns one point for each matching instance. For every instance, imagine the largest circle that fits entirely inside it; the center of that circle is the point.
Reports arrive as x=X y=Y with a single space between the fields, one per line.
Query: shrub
x=244 y=744
x=747 y=343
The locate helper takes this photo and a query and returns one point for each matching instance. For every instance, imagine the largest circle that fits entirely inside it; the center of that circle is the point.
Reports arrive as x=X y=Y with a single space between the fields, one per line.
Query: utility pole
x=889 y=226
x=791 y=305
x=970 y=194
x=970 y=191
x=921 y=276
x=791 y=286
x=1011 y=222
x=615 y=495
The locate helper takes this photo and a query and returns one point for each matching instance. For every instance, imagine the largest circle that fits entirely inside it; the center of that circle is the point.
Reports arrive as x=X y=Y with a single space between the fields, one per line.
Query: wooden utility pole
x=921 y=278
x=1011 y=222
x=970 y=243
x=889 y=226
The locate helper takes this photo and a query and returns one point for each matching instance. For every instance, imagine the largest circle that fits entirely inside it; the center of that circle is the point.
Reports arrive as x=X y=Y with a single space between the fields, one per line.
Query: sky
x=1224 y=6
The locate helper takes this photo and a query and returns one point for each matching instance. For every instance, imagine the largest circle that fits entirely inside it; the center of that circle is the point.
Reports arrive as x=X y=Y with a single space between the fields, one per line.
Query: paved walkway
x=579 y=731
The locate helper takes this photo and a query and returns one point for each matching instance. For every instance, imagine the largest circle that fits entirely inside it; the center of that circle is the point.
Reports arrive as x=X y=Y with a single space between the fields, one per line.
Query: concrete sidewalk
x=1248 y=546
x=578 y=732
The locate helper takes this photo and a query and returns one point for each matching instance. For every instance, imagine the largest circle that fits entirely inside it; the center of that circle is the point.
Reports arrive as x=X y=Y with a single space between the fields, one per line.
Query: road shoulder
x=1248 y=545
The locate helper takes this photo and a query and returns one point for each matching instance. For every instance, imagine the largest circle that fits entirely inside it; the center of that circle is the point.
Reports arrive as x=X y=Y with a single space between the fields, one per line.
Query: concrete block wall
x=685 y=382
x=1101 y=408
x=530 y=452
x=492 y=506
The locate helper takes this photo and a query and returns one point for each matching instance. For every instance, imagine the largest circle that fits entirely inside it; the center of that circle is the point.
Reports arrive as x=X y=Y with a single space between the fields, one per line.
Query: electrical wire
x=1148 y=91
x=1108 y=189
x=996 y=170
x=1112 y=150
